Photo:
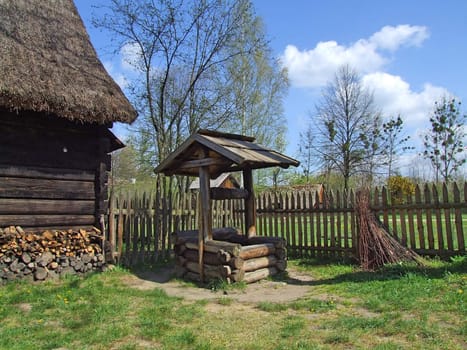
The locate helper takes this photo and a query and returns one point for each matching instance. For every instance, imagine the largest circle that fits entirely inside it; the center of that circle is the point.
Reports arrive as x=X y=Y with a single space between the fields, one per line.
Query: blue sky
x=409 y=53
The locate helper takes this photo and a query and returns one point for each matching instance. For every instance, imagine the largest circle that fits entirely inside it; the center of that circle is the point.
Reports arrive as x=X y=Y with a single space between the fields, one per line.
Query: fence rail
x=432 y=221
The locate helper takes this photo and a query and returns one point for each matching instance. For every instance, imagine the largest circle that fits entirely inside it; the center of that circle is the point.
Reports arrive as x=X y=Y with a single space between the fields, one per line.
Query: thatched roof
x=221 y=152
x=48 y=64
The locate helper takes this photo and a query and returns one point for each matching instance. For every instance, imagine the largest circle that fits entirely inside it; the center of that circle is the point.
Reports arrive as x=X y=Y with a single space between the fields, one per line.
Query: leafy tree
x=444 y=142
x=344 y=118
x=257 y=86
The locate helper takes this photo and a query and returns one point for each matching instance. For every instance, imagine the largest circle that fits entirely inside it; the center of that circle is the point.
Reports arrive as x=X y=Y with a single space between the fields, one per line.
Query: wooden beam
x=228 y=193
x=11 y=187
x=46 y=173
x=46 y=220
x=205 y=224
x=250 y=206
x=28 y=206
x=190 y=164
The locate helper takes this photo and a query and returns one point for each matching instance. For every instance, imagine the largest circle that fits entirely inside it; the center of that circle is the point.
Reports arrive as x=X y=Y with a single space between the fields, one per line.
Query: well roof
x=48 y=64
x=221 y=152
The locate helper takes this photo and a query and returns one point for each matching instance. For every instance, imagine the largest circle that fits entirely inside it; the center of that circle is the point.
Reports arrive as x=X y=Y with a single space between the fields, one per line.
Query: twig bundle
x=376 y=246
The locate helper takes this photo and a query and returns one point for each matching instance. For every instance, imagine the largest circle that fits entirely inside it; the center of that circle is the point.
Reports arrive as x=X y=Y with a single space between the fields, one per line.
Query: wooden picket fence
x=432 y=221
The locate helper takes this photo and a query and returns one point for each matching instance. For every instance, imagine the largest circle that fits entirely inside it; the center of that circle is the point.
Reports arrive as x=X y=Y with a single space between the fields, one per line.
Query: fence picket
x=337 y=207
x=384 y=205
x=458 y=219
x=437 y=210
x=311 y=216
x=429 y=222
x=447 y=219
x=420 y=226
x=318 y=223
x=332 y=224
x=346 y=219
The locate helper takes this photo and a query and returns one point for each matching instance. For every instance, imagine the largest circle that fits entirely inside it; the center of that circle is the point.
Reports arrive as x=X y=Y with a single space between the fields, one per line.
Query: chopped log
x=214 y=246
x=257 y=275
x=210 y=271
x=223 y=256
x=237 y=275
x=281 y=265
x=192 y=276
x=256 y=250
x=180 y=271
x=181 y=260
x=179 y=248
x=237 y=263
x=281 y=253
x=277 y=241
x=209 y=258
x=259 y=263
x=41 y=273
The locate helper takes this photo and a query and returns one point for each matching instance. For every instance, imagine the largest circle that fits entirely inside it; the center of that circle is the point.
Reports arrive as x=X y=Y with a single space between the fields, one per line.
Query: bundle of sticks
x=376 y=245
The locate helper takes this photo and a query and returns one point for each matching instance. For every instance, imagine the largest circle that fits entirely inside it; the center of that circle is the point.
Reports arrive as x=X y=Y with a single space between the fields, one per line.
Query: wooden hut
x=207 y=154
x=225 y=180
x=57 y=103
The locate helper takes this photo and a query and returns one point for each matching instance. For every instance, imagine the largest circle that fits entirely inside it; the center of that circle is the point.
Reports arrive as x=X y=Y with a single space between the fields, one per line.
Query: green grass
x=402 y=306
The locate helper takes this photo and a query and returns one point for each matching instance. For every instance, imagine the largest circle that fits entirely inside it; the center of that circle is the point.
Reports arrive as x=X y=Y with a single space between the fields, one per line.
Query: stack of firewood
x=49 y=254
x=229 y=256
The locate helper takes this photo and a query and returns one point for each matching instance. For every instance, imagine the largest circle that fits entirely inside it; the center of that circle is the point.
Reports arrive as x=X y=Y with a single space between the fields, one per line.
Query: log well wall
x=229 y=256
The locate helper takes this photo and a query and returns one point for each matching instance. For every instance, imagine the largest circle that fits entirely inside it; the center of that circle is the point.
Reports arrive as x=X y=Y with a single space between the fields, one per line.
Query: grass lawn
x=399 y=307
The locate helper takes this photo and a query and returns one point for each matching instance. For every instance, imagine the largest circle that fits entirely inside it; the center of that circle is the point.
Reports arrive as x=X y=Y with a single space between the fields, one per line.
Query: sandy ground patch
x=294 y=287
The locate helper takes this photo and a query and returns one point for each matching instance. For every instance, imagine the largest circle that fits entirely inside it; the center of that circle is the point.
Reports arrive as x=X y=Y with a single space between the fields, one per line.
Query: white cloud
x=395 y=96
x=391 y=38
x=119 y=78
x=130 y=54
x=313 y=68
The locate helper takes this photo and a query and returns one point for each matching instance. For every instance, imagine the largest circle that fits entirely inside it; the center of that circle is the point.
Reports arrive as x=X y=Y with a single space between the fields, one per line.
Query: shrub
x=400 y=187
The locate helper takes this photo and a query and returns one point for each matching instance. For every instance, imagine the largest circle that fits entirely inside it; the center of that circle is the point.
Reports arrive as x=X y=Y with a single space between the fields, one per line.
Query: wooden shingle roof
x=221 y=152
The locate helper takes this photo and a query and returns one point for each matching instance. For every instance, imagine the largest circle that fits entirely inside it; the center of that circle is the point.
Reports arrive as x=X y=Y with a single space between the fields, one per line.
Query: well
x=225 y=253
x=230 y=256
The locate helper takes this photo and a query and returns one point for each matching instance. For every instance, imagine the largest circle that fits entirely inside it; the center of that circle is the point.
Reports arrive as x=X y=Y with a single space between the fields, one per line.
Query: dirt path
x=294 y=287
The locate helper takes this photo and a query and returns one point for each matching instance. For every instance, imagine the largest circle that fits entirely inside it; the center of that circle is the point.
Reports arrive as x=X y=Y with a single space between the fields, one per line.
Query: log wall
x=53 y=173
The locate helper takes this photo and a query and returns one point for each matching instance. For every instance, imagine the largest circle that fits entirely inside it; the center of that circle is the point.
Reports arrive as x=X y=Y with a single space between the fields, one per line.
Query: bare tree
x=185 y=55
x=394 y=142
x=344 y=122
x=179 y=51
